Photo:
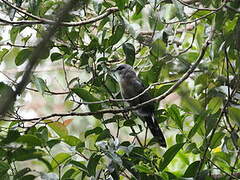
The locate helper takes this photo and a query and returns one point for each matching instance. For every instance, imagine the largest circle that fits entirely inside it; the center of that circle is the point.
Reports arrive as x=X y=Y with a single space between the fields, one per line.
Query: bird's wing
x=139 y=88
x=146 y=112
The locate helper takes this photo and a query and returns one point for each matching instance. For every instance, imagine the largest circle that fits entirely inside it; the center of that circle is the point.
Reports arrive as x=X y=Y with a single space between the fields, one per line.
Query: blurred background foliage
x=48 y=134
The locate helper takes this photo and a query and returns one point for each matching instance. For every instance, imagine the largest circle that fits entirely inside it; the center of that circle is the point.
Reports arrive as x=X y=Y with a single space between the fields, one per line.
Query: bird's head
x=123 y=69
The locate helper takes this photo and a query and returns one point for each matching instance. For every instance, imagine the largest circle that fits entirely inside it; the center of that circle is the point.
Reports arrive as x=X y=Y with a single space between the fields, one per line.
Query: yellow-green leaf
x=214 y=105
x=59 y=159
x=59 y=128
x=234 y=114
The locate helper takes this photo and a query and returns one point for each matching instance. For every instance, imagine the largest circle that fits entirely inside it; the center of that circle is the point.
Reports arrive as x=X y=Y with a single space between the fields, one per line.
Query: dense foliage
x=61 y=113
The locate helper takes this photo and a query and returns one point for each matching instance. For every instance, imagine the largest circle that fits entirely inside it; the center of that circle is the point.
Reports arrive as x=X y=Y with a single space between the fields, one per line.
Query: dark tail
x=155 y=130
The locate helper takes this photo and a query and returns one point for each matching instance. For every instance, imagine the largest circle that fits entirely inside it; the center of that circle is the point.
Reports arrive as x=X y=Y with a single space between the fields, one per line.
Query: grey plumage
x=131 y=86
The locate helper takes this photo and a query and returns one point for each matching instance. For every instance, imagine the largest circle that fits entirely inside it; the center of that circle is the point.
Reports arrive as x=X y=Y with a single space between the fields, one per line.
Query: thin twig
x=230 y=175
x=198 y=8
x=35 y=90
x=130 y=99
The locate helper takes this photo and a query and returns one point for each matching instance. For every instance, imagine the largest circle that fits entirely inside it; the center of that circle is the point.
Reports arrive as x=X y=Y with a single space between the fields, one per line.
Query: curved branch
x=24 y=12
x=39 y=20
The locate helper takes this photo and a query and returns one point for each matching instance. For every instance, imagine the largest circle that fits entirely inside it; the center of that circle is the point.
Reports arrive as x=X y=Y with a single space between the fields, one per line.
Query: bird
x=131 y=86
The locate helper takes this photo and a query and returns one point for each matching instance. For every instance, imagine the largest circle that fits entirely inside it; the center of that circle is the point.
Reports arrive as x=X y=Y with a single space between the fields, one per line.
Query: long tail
x=155 y=130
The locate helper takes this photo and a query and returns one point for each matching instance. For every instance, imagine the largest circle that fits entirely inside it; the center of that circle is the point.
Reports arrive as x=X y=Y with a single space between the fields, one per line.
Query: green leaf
x=215 y=104
x=55 y=56
x=87 y=96
x=210 y=122
x=139 y=6
x=158 y=48
x=174 y=113
x=192 y=147
x=180 y=9
x=27 y=177
x=196 y=126
x=30 y=140
x=142 y=168
x=159 y=90
x=53 y=142
x=59 y=159
x=27 y=154
x=111 y=83
x=142 y=2
x=180 y=138
x=11 y=136
x=80 y=146
x=234 y=114
x=217 y=139
x=4 y=167
x=5 y=176
x=96 y=130
x=93 y=45
x=79 y=165
x=120 y=29
x=92 y=164
x=192 y=169
x=70 y=174
x=13 y=33
x=22 y=56
x=2 y=153
x=129 y=51
x=153 y=74
x=129 y=123
x=42 y=133
x=40 y=84
x=169 y=155
x=120 y=4
x=192 y=104
x=59 y=128
x=25 y=39
x=84 y=58
x=103 y=135
x=103 y=22
x=3 y=52
x=45 y=161
x=71 y=140
x=97 y=6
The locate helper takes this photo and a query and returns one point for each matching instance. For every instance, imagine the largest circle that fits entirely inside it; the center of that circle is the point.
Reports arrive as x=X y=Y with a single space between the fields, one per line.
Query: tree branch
x=39 y=20
x=8 y=100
